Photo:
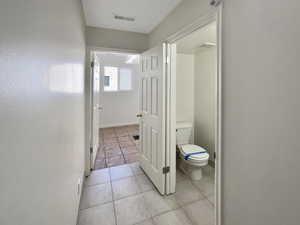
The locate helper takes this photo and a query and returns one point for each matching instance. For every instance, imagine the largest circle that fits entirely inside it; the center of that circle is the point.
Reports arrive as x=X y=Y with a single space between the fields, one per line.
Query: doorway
x=118 y=105
x=194 y=108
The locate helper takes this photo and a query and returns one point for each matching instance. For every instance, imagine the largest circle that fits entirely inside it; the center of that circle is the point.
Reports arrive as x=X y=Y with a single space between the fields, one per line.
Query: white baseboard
x=118 y=124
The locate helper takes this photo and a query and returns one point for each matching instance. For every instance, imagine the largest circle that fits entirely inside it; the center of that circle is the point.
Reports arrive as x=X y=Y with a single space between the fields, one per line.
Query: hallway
x=123 y=195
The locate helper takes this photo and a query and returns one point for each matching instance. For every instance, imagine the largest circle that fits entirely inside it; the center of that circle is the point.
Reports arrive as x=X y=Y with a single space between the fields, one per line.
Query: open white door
x=95 y=111
x=152 y=115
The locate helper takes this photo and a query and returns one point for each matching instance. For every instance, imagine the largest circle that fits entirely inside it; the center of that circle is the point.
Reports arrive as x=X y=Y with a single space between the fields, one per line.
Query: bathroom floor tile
x=125 y=187
x=200 y=212
x=121 y=134
x=126 y=144
x=176 y=217
x=96 y=195
x=110 y=140
x=94 y=215
x=113 y=152
x=100 y=164
x=144 y=183
x=120 y=172
x=146 y=222
x=131 y=210
x=158 y=204
x=211 y=198
x=209 y=171
x=136 y=169
x=130 y=150
x=124 y=139
x=206 y=186
x=131 y=158
x=100 y=154
x=180 y=176
x=186 y=193
x=115 y=161
x=135 y=200
x=111 y=146
x=98 y=177
x=108 y=136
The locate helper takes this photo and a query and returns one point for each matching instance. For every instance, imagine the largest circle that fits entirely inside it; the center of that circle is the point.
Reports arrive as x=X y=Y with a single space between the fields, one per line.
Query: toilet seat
x=189 y=148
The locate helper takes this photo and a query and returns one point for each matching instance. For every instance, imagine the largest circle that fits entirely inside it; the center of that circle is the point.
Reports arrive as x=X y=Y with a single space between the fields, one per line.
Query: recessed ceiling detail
x=130 y=15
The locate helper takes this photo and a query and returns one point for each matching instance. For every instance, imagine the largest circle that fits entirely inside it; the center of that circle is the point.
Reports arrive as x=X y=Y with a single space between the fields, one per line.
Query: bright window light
x=125 y=79
x=110 y=78
x=117 y=79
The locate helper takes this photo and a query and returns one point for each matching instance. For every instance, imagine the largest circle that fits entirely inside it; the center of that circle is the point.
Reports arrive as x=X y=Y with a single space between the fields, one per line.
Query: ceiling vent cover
x=118 y=17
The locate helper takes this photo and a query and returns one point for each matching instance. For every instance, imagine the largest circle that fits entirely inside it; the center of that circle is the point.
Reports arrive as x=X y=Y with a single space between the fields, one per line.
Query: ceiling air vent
x=131 y=19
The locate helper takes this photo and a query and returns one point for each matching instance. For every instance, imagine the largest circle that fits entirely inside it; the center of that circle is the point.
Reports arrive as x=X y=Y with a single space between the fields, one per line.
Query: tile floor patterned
x=119 y=146
x=123 y=195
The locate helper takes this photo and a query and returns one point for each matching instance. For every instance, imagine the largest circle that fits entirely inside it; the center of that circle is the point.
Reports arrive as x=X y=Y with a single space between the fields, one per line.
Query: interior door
x=96 y=109
x=152 y=115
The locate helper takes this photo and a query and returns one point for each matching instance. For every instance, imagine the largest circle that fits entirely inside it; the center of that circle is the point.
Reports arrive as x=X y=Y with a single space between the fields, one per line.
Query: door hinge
x=215 y=2
x=167 y=59
x=166 y=169
x=92 y=64
x=91 y=150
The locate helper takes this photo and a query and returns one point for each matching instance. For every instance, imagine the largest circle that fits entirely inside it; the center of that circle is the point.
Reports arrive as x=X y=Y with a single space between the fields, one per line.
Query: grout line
x=112 y=195
x=94 y=206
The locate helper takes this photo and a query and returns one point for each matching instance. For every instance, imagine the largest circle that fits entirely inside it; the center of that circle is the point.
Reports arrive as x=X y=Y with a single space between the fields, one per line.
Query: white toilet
x=192 y=157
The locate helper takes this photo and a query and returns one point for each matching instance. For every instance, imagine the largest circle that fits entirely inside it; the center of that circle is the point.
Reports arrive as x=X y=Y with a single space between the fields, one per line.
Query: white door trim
x=215 y=14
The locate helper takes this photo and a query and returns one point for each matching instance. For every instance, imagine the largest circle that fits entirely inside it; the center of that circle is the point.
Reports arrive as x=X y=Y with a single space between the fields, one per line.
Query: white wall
x=261 y=112
x=119 y=108
x=42 y=111
x=205 y=94
x=185 y=13
x=185 y=87
x=108 y=38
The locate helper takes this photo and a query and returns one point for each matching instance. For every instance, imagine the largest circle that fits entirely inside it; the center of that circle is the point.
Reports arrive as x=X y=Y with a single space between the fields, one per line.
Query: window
x=125 y=79
x=117 y=79
x=110 y=78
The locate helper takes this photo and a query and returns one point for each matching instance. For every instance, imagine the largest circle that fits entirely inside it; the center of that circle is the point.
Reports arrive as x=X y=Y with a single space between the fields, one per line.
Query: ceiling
x=147 y=13
x=195 y=41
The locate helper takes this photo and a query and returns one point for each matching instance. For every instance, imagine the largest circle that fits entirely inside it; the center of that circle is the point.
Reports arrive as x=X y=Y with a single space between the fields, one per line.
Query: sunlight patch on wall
x=66 y=78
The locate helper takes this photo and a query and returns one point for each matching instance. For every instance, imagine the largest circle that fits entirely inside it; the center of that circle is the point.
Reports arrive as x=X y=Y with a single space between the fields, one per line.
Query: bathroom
x=196 y=88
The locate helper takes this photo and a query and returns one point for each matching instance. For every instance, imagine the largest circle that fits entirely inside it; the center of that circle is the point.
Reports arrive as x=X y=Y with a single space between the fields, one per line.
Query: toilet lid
x=188 y=149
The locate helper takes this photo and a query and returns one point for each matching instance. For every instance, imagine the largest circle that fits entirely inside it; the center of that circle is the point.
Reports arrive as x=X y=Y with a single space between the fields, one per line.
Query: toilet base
x=194 y=172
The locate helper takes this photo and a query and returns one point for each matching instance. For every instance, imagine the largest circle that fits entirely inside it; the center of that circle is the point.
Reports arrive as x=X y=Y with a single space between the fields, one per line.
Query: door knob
x=139 y=115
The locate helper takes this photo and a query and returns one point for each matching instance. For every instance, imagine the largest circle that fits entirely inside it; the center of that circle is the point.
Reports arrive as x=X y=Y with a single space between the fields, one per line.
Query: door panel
x=152 y=108
x=96 y=108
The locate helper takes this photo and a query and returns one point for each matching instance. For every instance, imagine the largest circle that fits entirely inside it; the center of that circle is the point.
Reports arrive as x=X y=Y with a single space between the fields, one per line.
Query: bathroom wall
x=185 y=87
x=120 y=107
x=205 y=87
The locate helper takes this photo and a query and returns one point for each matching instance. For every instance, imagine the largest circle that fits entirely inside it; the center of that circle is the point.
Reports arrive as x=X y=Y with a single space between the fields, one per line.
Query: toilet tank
x=184 y=133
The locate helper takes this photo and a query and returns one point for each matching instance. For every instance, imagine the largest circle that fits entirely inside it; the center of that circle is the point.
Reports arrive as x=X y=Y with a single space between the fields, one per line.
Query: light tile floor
x=123 y=195
x=117 y=146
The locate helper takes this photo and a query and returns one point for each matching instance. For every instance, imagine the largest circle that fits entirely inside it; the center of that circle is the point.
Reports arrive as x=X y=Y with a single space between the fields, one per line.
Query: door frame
x=215 y=14
x=90 y=50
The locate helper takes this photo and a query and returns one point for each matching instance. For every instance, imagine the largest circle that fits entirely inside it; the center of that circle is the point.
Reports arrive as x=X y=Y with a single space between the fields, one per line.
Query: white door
x=152 y=115
x=96 y=108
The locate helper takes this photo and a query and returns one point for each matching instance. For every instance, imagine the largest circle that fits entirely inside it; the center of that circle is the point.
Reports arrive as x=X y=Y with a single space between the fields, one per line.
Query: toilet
x=191 y=157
